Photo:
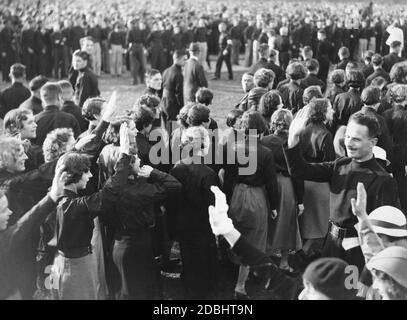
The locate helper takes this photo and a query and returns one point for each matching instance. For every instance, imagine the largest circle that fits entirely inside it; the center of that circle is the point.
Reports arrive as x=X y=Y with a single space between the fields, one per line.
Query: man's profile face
x=359 y=145
x=247 y=82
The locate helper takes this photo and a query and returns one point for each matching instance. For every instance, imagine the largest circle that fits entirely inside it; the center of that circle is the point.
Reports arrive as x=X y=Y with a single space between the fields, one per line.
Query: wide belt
x=75 y=253
x=341 y=233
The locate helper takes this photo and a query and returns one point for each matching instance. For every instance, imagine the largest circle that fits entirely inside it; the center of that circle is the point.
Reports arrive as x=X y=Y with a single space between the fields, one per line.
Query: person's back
x=12 y=96
x=194 y=76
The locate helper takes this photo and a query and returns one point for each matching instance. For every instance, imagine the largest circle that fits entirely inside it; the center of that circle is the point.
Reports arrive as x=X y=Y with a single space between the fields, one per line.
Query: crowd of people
x=100 y=203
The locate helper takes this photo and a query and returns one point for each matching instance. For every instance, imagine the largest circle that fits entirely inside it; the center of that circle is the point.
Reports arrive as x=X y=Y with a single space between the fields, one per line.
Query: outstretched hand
x=110 y=109
x=124 y=139
x=58 y=183
x=359 y=204
x=218 y=217
x=297 y=126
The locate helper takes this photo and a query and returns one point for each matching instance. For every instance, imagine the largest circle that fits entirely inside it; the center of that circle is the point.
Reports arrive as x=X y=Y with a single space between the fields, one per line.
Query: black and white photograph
x=216 y=151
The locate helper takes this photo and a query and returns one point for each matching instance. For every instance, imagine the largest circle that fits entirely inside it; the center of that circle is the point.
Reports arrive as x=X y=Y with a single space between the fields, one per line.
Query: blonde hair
x=9 y=149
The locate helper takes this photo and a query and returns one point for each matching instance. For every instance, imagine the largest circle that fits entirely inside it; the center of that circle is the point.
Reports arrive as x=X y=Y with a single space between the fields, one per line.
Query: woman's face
x=19 y=164
x=5 y=213
x=78 y=63
x=155 y=82
x=29 y=129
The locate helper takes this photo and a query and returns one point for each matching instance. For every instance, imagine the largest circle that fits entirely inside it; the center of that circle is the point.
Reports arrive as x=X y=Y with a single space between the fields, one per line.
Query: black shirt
x=12 y=97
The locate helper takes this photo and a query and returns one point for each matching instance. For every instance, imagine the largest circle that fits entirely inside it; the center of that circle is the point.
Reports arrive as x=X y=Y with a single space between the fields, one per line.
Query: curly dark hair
x=269 y=103
x=76 y=164
x=317 y=110
x=253 y=120
x=143 y=117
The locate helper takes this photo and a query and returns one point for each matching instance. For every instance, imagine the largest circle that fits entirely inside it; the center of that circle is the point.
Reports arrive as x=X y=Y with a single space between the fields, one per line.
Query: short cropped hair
x=356 y=79
x=50 y=91
x=37 y=82
x=370 y=122
x=13 y=121
x=151 y=73
x=204 y=96
x=65 y=85
x=377 y=59
x=344 y=52
x=17 y=70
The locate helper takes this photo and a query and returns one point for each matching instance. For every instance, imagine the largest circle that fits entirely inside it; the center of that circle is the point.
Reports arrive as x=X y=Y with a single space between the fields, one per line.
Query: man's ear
x=374 y=141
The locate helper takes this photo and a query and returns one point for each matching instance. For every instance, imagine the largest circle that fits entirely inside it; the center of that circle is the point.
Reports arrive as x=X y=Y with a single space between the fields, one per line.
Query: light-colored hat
x=393 y=262
x=380 y=153
x=389 y=221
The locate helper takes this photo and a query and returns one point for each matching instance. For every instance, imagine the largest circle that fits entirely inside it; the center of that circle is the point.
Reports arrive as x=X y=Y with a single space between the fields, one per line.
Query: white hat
x=389 y=221
x=380 y=153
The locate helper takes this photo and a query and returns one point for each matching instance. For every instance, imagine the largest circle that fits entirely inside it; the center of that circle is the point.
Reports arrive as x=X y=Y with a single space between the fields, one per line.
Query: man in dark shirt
x=248 y=40
x=52 y=117
x=95 y=31
x=377 y=62
x=77 y=33
x=69 y=106
x=236 y=35
x=225 y=51
x=7 y=52
x=14 y=95
x=323 y=51
x=34 y=102
x=343 y=176
x=311 y=78
x=278 y=71
x=135 y=42
x=173 y=83
x=343 y=55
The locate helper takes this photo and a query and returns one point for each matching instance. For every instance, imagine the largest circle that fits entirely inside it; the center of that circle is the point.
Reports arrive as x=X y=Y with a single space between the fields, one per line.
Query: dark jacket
x=32 y=103
x=342 y=64
x=343 y=176
x=85 y=85
x=52 y=118
x=71 y=108
x=261 y=63
x=135 y=209
x=291 y=94
x=10 y=245
x=332 y=92
x=173 y=98
x=312 y=80
x=377 y=73
x=194 y=78
x=75 y=214
x=346 y=104
x=390 y=60
x=12 y=97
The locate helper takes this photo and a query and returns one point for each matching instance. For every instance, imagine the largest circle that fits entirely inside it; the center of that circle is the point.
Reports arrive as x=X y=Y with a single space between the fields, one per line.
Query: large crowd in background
x=101 y=203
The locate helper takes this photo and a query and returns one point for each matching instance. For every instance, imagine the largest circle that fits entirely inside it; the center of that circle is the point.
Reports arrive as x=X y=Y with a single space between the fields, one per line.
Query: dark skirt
x=283 y=232
x=249 y=209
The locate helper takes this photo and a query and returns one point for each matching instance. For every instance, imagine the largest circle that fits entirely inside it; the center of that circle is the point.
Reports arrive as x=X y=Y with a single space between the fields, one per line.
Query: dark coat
x=86 y=86
x=332 y=92
x=261 y=63
x=312 y=80
x=52 y=118
x=377 y=73
x=194 y=78
x=32 y=103
x=343 y=176
x=291 y=94
x=390 y=60
x=12 y=97
x=345 y=105
x=173 y=97
x=71 y=108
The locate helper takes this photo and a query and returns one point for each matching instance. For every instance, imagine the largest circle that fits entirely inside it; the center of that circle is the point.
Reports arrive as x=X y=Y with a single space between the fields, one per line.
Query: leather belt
x=341 y=233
